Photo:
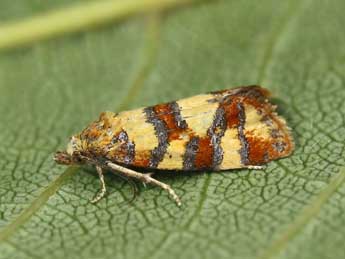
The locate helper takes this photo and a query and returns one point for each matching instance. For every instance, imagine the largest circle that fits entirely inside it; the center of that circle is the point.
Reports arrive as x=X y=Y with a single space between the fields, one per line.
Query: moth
x=228 y=129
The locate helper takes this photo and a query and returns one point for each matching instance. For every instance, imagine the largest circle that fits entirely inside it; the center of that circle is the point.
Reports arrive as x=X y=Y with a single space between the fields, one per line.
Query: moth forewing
x=228 y=129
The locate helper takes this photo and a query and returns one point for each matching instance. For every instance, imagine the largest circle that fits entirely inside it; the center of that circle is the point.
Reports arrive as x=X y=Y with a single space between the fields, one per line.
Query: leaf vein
x=77 y=18
x=309 y=212
x=26 y=214
x=274 y=40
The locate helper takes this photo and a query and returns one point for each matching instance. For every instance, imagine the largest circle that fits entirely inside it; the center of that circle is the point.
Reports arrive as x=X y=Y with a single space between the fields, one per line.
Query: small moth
x=228 y=129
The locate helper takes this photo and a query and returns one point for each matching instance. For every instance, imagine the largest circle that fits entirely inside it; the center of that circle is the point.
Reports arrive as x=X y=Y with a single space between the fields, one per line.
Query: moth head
x=72 y=155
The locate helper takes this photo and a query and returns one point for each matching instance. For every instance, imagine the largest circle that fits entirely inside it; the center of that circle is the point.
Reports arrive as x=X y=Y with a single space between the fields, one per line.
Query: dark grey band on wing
x=129 y=158
x=216 y=132
x=127 y=146
x=157 y=154
x=176 y=111
x=244 y=151
x=190 y=154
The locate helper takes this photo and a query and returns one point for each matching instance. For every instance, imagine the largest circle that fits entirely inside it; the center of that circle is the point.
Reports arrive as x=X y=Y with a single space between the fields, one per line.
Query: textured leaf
x=50 y=90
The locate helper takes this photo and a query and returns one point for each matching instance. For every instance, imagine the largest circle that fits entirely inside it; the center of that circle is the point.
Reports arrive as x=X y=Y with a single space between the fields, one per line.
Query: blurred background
x=58 y=71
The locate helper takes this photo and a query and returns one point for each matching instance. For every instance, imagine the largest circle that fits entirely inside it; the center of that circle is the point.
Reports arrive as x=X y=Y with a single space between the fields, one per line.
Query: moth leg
x=145 y=178
x=132 y=184
x=149 y=174
x=103 y=189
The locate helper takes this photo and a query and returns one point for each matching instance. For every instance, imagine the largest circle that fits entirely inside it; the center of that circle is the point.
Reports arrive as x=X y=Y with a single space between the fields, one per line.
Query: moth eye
x=77 y=158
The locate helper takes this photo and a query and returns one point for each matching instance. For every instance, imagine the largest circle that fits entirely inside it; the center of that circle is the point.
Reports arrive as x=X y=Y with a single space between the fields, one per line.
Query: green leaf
x=52 y=89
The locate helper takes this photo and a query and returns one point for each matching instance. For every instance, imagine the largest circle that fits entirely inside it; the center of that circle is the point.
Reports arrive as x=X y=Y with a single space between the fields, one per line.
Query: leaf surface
x=49 y=90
